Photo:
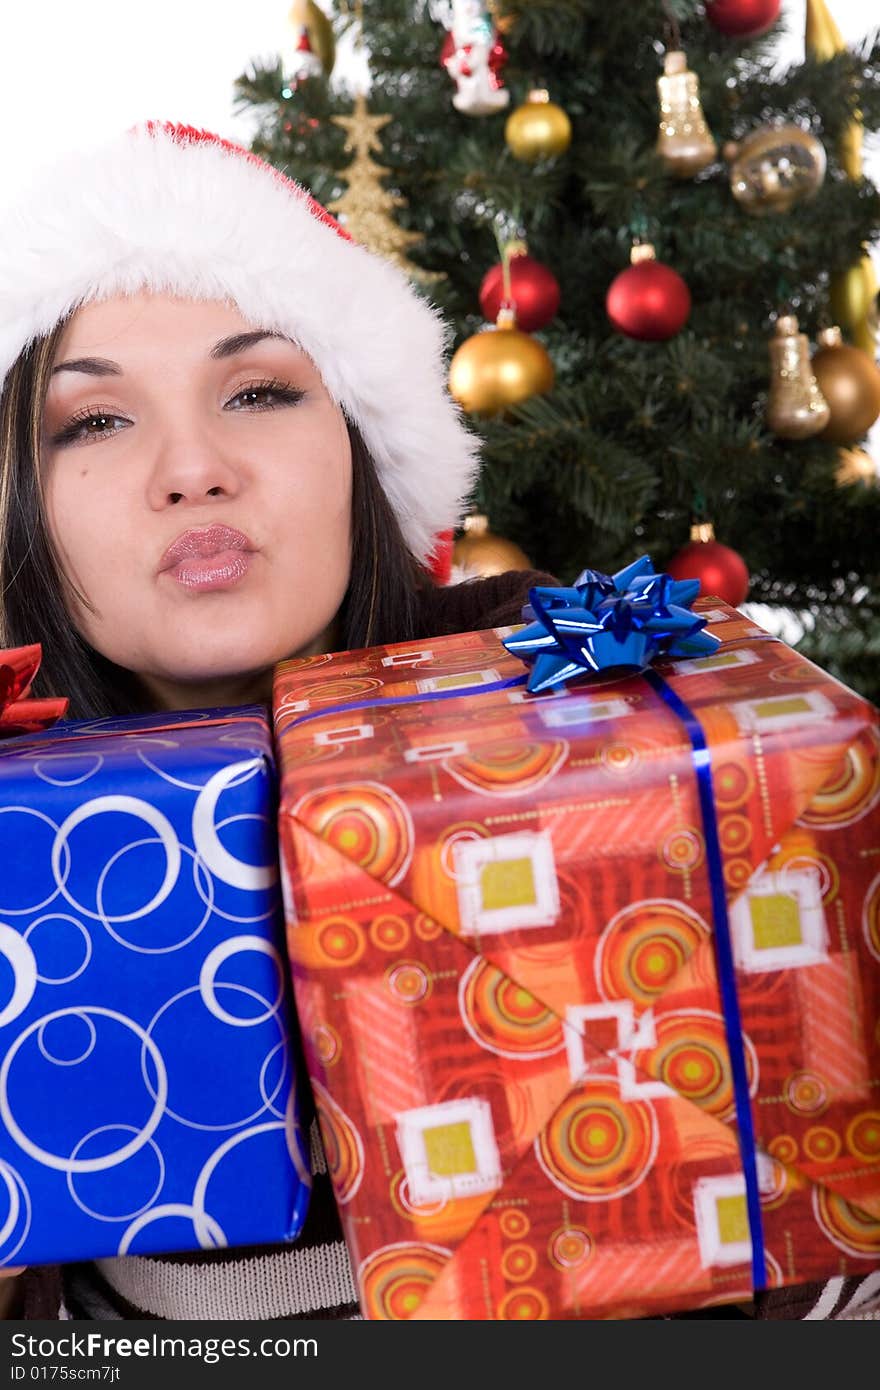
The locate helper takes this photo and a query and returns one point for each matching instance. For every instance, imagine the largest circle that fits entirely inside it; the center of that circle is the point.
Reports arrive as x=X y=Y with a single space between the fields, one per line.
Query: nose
x=190 y=468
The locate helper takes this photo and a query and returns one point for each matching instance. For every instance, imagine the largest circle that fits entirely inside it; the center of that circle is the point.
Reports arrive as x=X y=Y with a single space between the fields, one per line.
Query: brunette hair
x=380 y=605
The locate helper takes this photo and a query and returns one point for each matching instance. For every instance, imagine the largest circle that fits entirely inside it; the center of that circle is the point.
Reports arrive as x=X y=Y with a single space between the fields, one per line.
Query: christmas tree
x=694 y=398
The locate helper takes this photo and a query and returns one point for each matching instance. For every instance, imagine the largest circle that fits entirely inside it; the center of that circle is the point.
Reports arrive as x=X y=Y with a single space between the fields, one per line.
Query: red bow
x=18 y=714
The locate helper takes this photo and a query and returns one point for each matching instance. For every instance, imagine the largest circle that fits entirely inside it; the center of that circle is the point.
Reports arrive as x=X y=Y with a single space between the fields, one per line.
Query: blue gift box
x=149 y=1073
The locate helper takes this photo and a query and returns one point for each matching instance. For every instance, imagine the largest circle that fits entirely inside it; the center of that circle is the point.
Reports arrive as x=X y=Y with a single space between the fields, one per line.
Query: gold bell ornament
x=850 y=383
x=775 y=167
x=479 y=553
x=685 y=143
x=539 y=129
x=499 y=367
x=796 y=408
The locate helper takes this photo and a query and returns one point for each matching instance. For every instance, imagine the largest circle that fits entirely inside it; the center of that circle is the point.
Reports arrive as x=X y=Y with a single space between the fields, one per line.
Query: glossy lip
x=203 y=543
x=208 y=557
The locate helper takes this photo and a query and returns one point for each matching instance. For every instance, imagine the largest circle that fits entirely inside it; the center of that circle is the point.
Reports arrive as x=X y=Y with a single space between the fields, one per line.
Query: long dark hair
x=381 y=603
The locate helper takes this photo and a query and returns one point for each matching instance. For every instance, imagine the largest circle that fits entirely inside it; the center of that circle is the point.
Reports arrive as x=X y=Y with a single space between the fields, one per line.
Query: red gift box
x=504 y=949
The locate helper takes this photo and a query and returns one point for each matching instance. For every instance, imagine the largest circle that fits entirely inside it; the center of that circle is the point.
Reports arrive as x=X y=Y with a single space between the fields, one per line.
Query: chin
x=267 y=645
x=206 y=684
x=221 y=665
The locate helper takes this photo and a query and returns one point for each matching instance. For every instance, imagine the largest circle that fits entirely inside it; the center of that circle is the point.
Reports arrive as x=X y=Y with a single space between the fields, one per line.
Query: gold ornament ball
x=775 y=167
x=855 y=466
x=481 y=553
x=539 y=129
x=499 y=368
x=850 y=383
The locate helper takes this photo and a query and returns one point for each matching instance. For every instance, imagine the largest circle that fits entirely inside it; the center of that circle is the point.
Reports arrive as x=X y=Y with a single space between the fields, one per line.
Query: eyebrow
x=240 y=342
x=226 y=347
x=91 y=366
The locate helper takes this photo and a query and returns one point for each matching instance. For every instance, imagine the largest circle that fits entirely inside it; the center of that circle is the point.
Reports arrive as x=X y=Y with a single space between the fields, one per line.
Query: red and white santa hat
x=175 y=210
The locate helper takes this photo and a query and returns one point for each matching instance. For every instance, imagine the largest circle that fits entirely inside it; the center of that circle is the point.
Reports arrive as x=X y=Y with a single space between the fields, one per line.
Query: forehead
x=140 y=315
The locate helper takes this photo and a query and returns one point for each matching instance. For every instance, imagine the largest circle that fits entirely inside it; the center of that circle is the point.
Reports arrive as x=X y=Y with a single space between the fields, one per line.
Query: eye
x=90 y=425
x=265 y=395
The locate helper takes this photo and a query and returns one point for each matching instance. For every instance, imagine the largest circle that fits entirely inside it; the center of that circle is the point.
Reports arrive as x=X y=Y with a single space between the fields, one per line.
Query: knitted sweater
x=312 y=1277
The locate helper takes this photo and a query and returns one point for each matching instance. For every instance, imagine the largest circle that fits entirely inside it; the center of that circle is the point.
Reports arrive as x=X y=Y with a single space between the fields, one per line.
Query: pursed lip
x=202 y=542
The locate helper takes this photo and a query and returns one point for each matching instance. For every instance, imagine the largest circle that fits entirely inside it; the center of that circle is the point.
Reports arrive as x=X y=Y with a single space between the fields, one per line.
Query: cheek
x=86 y=521
x=314 y=498
x=67 y=520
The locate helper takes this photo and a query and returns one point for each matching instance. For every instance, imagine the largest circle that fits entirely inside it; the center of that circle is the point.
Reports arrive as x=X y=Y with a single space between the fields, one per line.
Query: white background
x=73 y=71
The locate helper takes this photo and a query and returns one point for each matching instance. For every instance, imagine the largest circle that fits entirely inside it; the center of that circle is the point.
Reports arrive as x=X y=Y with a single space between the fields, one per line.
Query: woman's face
x=197 y=478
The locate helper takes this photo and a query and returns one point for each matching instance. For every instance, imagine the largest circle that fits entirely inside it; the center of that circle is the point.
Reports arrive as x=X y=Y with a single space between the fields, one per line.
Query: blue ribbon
x=605 y=622
x=416 y=699
x=702 y=761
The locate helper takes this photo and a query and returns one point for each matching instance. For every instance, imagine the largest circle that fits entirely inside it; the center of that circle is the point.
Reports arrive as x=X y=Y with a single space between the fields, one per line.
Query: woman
x=225 y=439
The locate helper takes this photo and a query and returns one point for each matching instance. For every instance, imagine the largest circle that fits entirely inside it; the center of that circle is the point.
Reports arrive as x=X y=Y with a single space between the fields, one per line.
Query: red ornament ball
x=534 y=293
x=743 y=19
x=721 y=571
x=649 y=301
x=440 y=559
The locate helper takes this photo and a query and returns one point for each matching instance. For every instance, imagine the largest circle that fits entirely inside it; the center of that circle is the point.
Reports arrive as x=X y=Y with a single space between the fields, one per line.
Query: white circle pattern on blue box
x=148 y=1081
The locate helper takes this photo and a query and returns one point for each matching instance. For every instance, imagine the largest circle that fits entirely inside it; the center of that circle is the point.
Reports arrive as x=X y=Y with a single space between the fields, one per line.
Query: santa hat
x=175 y=210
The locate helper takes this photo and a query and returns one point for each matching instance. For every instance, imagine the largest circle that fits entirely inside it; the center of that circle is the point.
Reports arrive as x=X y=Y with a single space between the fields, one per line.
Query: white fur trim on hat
x=179 y=212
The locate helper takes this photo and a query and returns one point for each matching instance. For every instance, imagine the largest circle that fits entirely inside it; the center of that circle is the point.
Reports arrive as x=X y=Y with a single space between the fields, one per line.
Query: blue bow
x=608 y=622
